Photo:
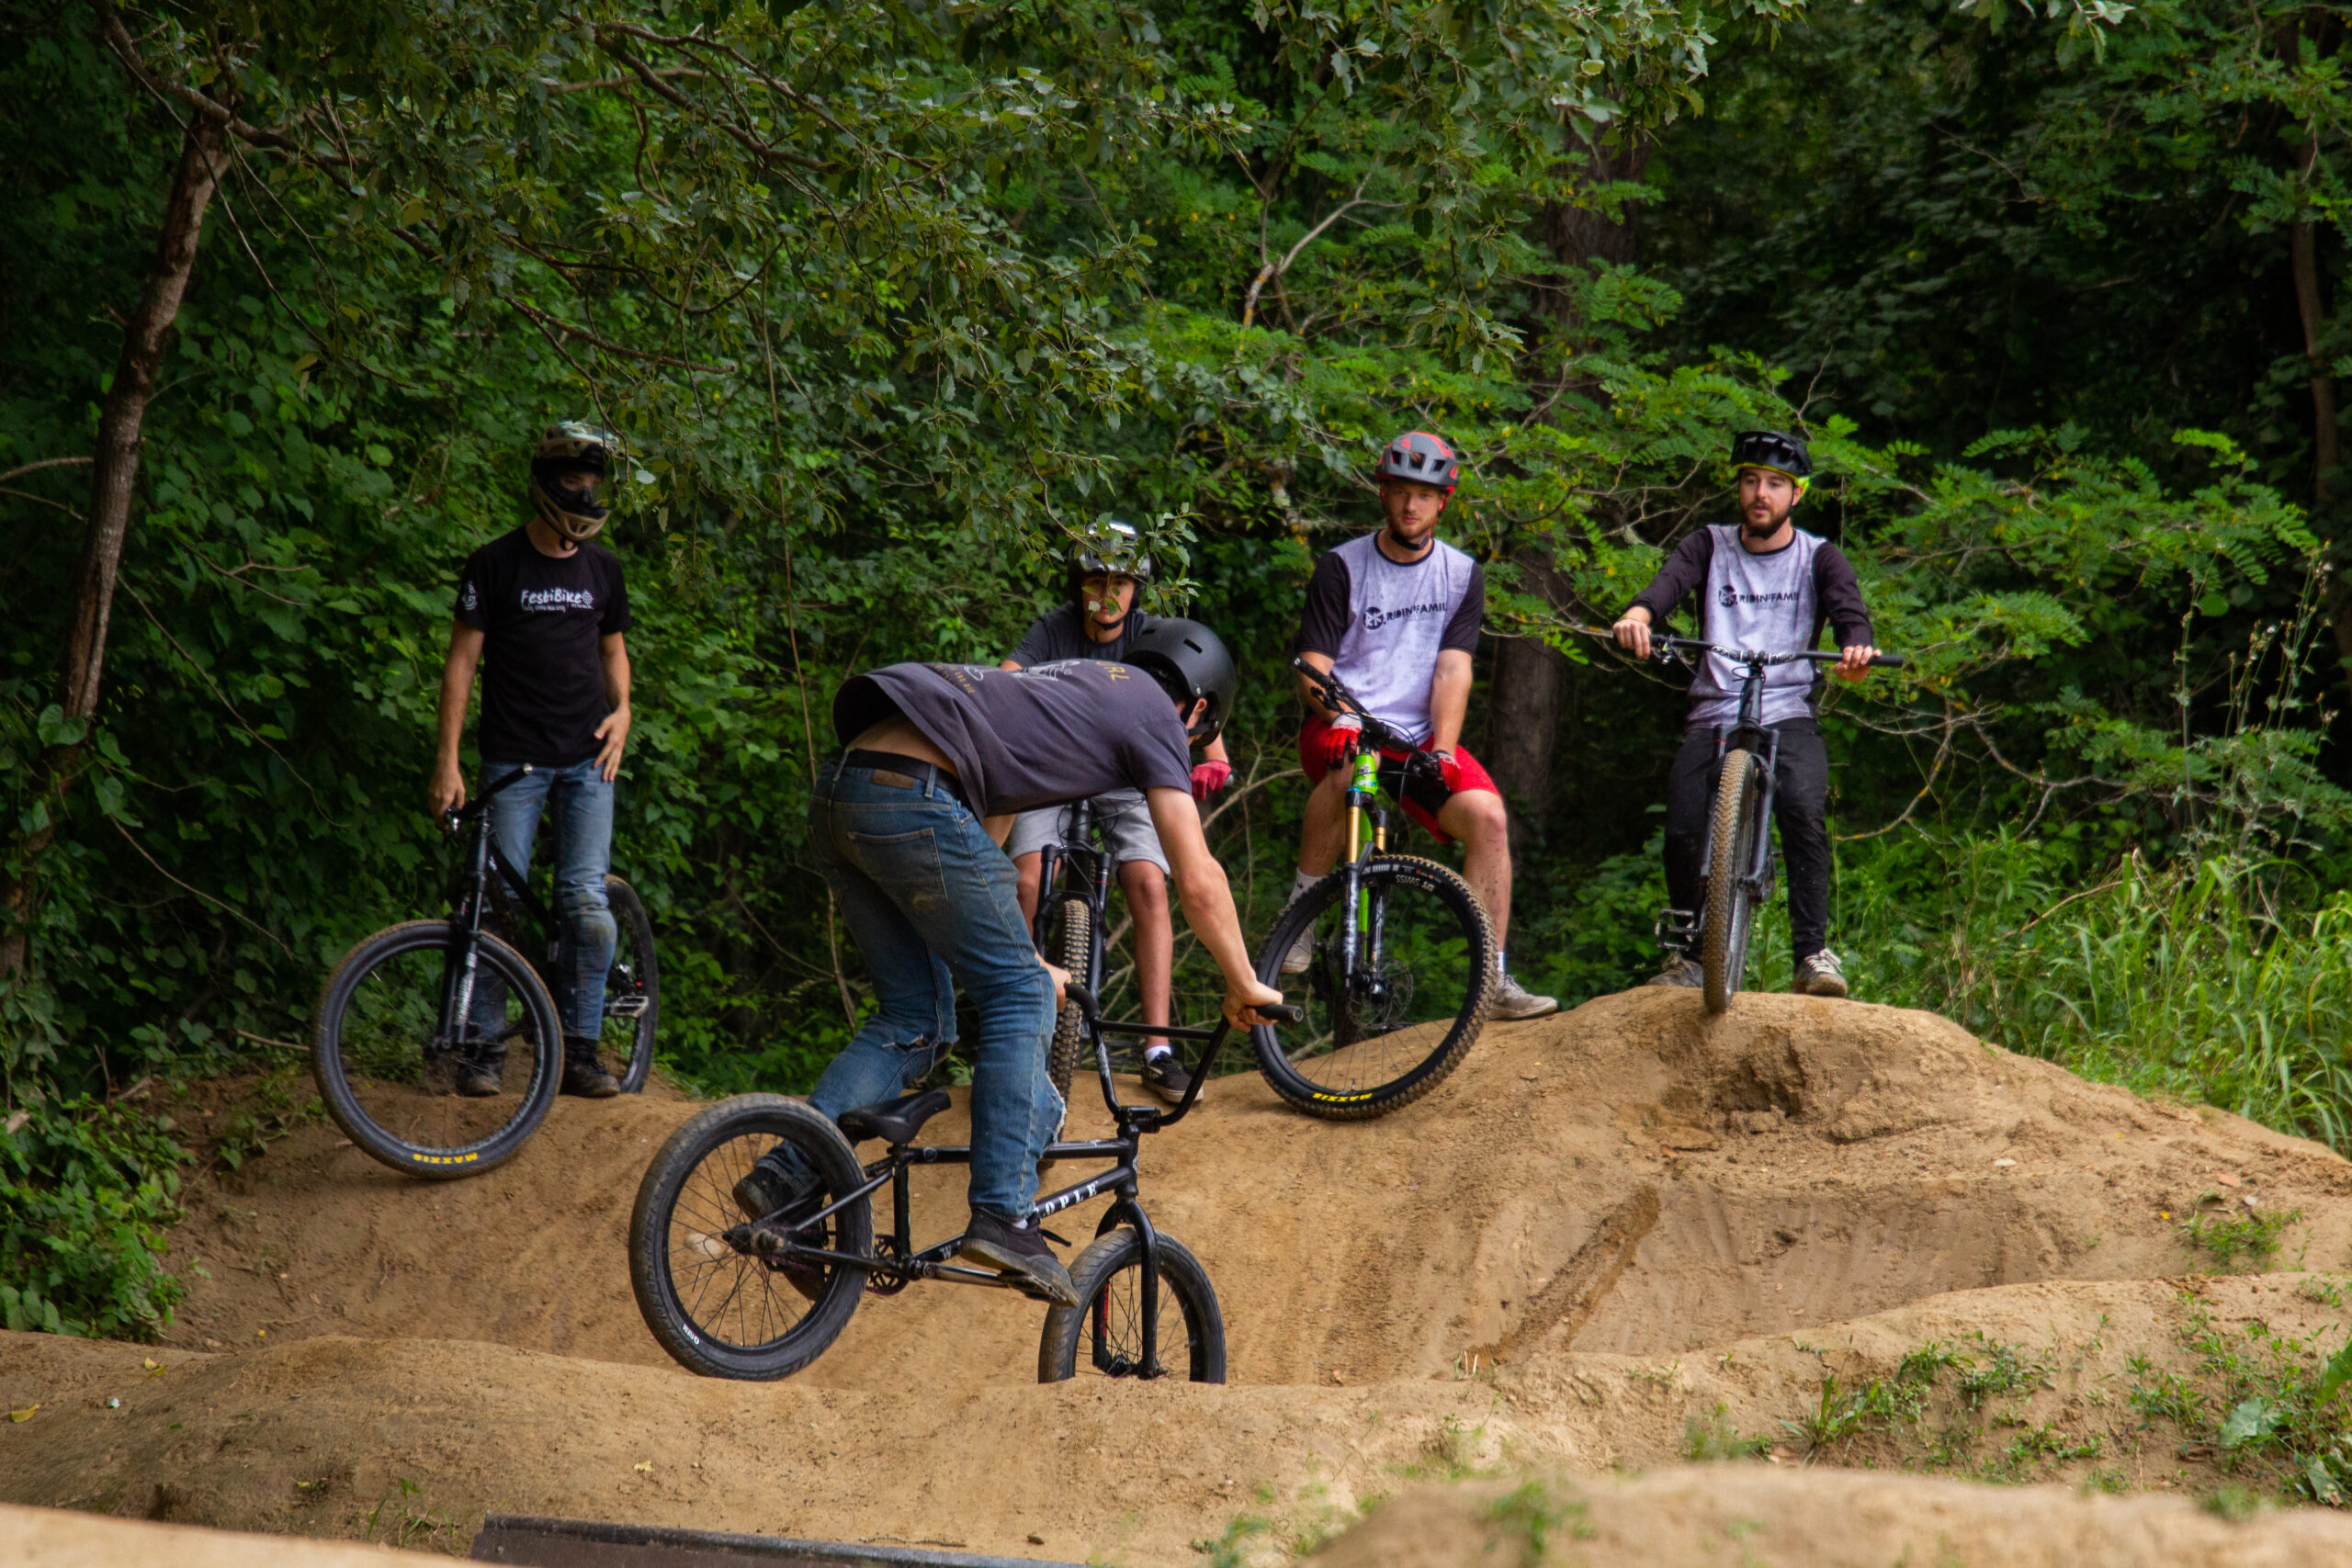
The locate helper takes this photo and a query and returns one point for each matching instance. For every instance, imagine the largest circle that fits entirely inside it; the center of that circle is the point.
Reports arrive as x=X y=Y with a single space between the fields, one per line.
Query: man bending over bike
x=1100 y=621
x=1396 y=616
x=1771 y=593
x=544 y=612
x=907 y=826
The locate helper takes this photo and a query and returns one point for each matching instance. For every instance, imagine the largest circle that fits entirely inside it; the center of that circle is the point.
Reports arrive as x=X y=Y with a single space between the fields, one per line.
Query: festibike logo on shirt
x=558 y=598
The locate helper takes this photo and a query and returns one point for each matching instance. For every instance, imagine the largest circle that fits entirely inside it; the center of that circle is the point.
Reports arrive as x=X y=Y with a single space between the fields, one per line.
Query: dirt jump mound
x=1619 y=1235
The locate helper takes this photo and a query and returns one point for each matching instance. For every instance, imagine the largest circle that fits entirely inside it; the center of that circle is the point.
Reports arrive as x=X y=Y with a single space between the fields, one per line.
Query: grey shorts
x=1122 y=815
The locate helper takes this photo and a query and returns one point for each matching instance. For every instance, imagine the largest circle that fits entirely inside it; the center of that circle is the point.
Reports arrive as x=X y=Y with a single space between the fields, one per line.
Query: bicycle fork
x=1359 y=912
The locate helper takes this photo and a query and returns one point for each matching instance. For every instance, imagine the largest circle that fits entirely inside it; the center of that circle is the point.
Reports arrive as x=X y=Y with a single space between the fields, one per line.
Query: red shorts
x=1422 y=796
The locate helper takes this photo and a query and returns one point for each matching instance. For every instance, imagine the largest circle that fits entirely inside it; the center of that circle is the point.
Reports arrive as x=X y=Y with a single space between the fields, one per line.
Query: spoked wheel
x=413 y=1082
x=1068 y=946
x=1104 y=1337
x=1731 y=850
x=632 y=989
x=1386 y=1030
x=708 y=1276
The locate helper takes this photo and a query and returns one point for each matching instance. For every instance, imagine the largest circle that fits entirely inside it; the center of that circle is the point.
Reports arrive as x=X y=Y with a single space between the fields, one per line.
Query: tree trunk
x=114 y=476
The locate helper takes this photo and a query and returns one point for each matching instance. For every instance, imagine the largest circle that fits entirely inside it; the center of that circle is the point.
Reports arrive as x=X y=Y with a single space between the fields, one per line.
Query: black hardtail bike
x=1400 y=954
x=413 y=1004
x=1073 y=902
x=1737 y=861
x=759 y=1296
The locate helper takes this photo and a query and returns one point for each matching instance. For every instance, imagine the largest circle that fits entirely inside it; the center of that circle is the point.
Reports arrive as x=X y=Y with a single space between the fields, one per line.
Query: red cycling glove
x=1208 y=777
x=1338 y=742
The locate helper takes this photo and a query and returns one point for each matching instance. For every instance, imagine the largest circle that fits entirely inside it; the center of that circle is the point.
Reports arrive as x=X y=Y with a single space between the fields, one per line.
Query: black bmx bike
x=1399 y=953
x=759 y=1296
x=1736 y=863
x=413 y=1005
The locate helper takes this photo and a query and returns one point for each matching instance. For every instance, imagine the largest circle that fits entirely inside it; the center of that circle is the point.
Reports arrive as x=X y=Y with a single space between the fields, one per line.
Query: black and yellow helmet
x=566 y=451
x=1785 y=455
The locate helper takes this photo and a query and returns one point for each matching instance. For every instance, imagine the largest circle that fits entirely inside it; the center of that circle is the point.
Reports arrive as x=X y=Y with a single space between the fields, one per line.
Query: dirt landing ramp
x=45 y=1538
x=1632 y=1177
x=1744 y=1519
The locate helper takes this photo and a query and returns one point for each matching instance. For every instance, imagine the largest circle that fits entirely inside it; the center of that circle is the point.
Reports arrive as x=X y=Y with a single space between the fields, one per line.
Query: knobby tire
x=1095 y=1338
x=1731 y=850
x=1072 y=951
x=545 y=1040
x=637 y=943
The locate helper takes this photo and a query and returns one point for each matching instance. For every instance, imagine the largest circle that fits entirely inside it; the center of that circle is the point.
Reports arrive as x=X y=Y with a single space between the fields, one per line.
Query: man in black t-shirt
x=1098 y=621
x=544 y=612
x=907 y=828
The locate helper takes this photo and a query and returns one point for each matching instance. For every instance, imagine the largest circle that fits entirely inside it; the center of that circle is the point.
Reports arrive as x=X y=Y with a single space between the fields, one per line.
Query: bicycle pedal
x=626 y=1006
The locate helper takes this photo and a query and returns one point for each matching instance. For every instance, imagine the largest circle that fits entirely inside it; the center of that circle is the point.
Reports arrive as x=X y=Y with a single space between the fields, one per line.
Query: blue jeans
x=583 y=853
x=933 y=904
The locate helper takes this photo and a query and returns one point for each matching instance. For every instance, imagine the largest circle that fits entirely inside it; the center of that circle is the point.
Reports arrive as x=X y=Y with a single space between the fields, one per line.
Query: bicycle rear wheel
x=389 y=1059
x=1384 y=1031
x=714 y=1300
x=1069 y=946
x=1104 y=1337
x=632 y=989
x=1738 y=819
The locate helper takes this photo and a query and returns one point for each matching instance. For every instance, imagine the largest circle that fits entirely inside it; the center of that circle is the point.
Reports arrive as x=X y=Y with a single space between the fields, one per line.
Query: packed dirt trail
x=1608 y=1230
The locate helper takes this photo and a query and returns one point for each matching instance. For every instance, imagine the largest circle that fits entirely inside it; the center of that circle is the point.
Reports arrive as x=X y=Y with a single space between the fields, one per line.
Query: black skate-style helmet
x=1422 y=458
x=566 y=451
x=1783 y=455
x=1189 y=662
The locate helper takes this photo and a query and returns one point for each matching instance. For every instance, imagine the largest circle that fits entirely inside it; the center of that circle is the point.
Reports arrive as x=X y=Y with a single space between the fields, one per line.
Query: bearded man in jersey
x=1394 y=615
x=1761 y=583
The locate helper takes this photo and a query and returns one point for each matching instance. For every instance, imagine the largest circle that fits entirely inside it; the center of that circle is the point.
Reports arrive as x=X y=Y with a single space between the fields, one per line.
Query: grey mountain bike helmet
x=1421 y=458
x=567 y=450
x=1189 y=661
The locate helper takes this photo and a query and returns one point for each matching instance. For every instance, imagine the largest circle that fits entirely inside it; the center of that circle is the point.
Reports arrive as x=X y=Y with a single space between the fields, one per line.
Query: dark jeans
x=580 y=803
x=1799 y=804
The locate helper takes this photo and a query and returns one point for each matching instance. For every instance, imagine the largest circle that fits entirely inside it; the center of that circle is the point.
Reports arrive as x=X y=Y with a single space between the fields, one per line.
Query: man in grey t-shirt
x=1760 y=583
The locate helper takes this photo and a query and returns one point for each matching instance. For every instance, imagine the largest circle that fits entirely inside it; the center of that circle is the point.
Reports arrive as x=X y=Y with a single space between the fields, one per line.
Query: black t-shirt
x=1022 y=738
x=1060 y=633
x=542 y=680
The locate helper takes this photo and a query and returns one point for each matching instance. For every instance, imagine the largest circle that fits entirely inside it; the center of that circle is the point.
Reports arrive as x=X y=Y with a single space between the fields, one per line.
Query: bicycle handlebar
x=1149 y=1118
x=458 y=816
x=1664 y=645
x=1337 y=697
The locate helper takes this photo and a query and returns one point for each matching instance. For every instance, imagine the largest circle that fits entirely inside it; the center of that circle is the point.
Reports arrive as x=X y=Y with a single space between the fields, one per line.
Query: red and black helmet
x=1422 y=458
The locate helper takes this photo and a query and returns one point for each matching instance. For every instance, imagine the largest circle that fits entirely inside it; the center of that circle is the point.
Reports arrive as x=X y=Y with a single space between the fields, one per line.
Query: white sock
x=1153 y=1053
x=1502 y=966
x=1303 y=883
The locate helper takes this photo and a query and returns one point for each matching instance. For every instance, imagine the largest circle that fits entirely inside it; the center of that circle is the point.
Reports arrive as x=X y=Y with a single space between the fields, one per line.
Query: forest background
x=890 y=300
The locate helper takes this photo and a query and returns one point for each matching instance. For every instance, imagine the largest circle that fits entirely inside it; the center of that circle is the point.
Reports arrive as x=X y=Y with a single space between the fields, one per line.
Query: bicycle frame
x=1748 y=733
x=1093 y=867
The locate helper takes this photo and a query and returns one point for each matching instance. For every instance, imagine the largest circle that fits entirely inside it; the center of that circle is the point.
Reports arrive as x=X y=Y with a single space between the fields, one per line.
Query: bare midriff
x=901 y=737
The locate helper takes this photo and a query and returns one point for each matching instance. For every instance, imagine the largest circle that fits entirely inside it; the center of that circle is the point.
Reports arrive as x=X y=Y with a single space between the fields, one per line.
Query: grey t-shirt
x=1022 y=738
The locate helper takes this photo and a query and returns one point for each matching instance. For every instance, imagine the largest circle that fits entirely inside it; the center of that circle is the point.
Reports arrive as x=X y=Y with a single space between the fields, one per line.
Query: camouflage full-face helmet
x=566 y=453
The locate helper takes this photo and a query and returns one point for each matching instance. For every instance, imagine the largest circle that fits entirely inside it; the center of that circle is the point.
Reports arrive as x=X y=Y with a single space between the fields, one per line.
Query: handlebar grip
x=1887 y=662
x=1283 y=1012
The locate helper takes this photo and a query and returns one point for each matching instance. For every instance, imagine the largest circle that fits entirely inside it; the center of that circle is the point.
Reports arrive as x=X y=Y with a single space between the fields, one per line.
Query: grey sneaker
x=1820 y=976
x=1302 y=952
x=1681 y=969
x=1514 y=1002
x=1020 y=1251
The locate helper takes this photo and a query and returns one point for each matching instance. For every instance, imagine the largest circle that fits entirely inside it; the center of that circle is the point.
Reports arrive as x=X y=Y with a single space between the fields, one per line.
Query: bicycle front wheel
x=706 y=1276
x=632 y=988
x=1071 y=947
x=414 y=1080
x=1731 y=850
x=1104 y=1337
x=1387 y=1022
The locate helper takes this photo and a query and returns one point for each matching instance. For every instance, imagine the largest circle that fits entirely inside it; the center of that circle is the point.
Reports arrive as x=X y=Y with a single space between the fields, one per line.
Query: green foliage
x=2252 y=1236
x=86 y=1191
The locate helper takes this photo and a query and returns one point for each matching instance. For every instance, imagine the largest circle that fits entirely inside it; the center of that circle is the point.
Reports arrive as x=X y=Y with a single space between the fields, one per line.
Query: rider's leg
x=1146 y=887
x=1477 y=819
x=1799 y=804
x=514 y=825
x=584 y=854
x=1033 y=832
x=1690 y=790
x=1323 y=834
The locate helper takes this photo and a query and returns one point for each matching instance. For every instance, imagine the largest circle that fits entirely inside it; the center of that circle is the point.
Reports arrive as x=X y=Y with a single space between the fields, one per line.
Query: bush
x=86 y=1191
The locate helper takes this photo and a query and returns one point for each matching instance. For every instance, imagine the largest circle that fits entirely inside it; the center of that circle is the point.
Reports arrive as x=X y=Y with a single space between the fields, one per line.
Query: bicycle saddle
x=893 y=1120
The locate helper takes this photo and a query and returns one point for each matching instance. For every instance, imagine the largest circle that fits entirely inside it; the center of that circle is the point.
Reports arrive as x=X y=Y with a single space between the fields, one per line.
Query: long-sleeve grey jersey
x=1777 y=603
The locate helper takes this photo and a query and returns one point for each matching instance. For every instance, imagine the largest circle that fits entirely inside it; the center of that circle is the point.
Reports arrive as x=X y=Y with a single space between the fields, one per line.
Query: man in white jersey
x=1763 y=584
x=1394 y=615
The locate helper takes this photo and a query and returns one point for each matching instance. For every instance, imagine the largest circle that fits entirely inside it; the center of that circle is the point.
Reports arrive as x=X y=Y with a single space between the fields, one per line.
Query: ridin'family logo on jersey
x=1731 y=598
x=558 y=599
x=1374 y=617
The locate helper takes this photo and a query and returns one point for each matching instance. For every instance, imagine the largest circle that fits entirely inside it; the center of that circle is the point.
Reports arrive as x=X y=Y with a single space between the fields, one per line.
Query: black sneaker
x=764 y=1192
x=477 y=1079
x=1165 y=1077
x=1020 y=1251
x=584 y=1073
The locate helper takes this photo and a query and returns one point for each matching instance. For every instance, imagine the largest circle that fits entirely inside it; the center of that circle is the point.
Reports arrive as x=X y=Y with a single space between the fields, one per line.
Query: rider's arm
x=1449 y=699
x=612 y=734
x=448 y=787
x=1306 y=689
x=1208 y=898
x=1840 y=595
x=1323 y=623
x=1683 y=573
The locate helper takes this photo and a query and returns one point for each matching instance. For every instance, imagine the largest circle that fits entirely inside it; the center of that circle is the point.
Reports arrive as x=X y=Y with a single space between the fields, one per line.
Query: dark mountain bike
x=759 y=1296
x=1737 y=861
x=409 y=1006
x=1071 y=921
x=1402 y=970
